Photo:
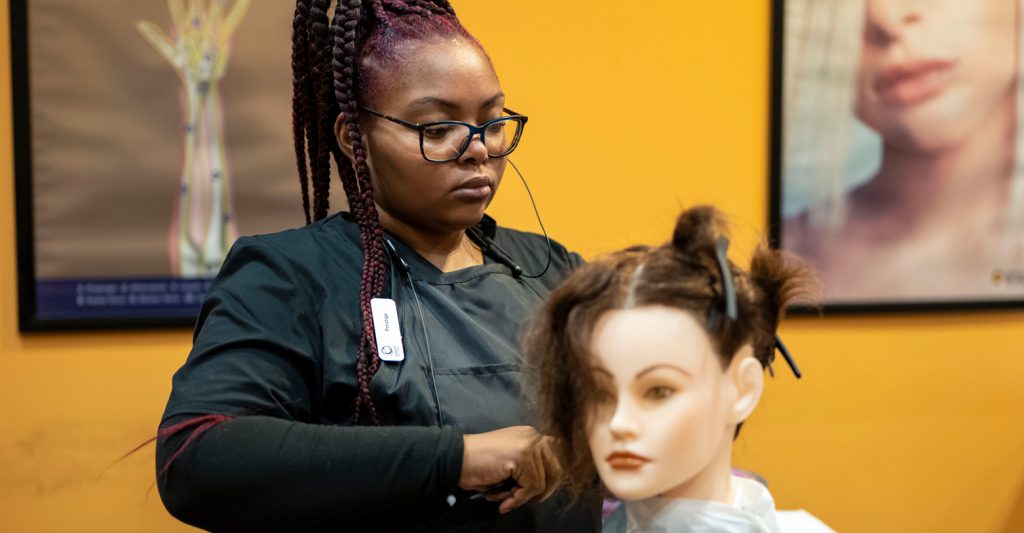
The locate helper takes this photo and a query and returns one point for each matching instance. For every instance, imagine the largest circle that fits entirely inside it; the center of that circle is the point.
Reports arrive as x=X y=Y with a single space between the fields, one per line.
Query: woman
x=648 y=363
x=362 y=373
x=939 y=216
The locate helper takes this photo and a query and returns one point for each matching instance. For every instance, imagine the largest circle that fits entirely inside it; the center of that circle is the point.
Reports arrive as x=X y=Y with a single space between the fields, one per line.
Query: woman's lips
x=475 y=189
x=626 y=461
x=914 y=82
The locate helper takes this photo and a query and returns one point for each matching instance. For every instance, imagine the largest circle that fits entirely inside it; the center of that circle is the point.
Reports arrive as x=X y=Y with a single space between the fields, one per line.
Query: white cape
x=752 y=511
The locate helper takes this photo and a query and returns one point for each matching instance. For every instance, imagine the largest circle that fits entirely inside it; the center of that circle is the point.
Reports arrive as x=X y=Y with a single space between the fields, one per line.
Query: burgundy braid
x=310 y=112
x=360 y=199
x=319 y=36
x=300 y=99
x=378 y=12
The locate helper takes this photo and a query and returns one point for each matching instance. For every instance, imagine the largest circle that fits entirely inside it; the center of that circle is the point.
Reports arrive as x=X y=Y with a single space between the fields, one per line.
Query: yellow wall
x=903 y=423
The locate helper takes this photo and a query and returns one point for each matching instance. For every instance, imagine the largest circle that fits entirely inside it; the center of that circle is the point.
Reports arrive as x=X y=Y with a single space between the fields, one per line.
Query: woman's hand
x=515 y=453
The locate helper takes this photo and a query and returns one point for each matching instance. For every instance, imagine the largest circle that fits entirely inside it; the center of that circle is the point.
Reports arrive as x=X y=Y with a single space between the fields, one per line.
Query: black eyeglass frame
x=474 y=130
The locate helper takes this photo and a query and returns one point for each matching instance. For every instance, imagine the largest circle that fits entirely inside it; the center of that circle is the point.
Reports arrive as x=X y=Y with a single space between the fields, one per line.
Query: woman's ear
x=341 y=134
x=747 y=377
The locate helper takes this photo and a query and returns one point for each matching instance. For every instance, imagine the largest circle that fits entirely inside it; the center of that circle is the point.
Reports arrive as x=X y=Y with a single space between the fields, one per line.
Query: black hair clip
x=729 y=290
x=786 y=355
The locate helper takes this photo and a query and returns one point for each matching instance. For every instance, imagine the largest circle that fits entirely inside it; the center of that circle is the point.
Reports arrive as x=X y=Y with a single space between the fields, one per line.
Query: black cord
x=404 y=267
x=489 y=247
x=536 y=212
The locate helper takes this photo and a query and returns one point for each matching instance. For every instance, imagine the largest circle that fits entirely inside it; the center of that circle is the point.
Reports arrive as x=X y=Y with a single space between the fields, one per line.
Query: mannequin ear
x=747 y=377
x=341 y=134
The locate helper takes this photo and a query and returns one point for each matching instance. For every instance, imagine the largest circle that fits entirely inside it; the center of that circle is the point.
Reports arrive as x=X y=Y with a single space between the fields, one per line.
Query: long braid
x=360 y=198
x=301 y=80
x=313 y=116
x=305 y=98
x=319 y=35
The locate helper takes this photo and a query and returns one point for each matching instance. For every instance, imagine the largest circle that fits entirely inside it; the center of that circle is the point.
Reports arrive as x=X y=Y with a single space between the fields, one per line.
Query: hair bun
x=697 y=230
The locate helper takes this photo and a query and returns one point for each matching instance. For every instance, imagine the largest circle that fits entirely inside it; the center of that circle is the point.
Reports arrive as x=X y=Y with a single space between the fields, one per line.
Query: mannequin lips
x=626 y=460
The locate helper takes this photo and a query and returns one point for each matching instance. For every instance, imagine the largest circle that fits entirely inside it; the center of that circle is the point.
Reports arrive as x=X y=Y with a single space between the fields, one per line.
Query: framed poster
x=148 y=136
x=897 y=152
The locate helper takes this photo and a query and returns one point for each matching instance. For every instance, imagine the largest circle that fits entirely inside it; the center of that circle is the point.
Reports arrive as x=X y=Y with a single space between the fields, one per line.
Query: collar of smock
x=422 y=270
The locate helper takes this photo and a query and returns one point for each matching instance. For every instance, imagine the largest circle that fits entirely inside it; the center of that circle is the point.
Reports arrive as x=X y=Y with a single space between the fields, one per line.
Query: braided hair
x=338 y=64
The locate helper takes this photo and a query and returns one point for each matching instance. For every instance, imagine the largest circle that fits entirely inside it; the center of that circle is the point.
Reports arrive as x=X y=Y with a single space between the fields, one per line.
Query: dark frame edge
x=108 y=324
x=776 y=53
x=21 y=136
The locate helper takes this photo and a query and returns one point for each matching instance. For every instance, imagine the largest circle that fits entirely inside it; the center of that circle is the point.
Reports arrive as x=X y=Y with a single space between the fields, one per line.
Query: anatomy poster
x=150 y=135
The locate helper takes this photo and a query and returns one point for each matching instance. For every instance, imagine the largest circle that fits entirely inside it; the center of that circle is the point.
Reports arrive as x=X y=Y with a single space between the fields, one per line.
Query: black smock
x=275 y=347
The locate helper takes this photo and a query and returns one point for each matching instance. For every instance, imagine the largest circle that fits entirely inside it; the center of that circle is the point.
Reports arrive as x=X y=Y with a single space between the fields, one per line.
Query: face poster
x=898 y=152
x=149 y=136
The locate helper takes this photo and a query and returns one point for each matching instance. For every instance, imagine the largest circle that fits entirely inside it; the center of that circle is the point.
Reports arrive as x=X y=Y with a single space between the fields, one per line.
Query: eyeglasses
x=447 y=140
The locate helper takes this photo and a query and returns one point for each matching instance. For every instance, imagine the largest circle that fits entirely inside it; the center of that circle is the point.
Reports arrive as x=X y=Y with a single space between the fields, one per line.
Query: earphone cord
x=500 y=254
x=426 y=342
x=393 y=253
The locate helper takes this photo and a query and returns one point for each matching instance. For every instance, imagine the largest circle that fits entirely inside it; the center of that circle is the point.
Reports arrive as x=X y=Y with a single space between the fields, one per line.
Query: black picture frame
x=777 y=189
x=166 y=300
x=29 y=319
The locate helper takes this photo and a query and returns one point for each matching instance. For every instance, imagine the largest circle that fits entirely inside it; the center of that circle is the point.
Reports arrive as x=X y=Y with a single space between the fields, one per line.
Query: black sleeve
x=260 y=473
x=256 y=348
x=575 y=260
x=257 y=356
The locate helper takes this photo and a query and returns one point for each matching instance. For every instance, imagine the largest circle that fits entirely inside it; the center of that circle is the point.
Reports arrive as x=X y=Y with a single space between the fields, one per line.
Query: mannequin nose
x=623 y=424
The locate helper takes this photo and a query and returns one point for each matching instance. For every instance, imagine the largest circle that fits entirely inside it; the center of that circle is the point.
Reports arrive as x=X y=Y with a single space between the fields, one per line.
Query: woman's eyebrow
x=493 y=100
x=425 y=101
x=656 y=367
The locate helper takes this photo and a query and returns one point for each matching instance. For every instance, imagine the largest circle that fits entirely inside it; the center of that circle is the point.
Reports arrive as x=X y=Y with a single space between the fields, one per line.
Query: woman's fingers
x=535 y=478
x=519 y=453
x=497 y=496
x=520 y=496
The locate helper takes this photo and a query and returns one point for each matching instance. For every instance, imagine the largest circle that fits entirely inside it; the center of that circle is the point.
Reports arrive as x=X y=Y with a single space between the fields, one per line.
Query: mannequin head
x=662 y=389
x=642 y=377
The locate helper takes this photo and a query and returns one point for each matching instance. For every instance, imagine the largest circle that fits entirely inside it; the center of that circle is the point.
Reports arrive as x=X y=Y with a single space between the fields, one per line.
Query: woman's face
x=664 y=416
x=440 y=80
x=931 y=71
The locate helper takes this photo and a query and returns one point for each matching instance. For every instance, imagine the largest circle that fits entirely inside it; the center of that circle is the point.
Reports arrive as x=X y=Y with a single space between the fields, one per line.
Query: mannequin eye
x=658 y=392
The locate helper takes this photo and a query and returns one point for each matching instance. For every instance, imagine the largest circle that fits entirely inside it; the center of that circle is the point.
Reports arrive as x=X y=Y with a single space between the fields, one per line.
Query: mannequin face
x=668 y=411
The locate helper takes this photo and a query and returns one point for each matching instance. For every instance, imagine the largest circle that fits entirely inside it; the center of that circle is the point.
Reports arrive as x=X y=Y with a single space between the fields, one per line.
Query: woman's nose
x=887 y=20
x=475 y=152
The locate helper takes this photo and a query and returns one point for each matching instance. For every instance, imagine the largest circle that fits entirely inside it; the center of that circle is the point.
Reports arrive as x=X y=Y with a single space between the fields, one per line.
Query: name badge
x=386 y=329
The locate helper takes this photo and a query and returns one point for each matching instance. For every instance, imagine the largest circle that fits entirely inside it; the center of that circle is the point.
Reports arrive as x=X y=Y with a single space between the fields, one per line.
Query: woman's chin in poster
x=902 y=172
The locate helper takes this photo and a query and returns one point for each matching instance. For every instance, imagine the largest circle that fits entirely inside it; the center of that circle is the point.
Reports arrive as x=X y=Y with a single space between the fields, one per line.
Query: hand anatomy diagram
x=203 y=224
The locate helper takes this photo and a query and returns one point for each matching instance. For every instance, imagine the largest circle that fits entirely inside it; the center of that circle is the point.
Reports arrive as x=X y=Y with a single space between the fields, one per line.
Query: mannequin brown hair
x=683 y=274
